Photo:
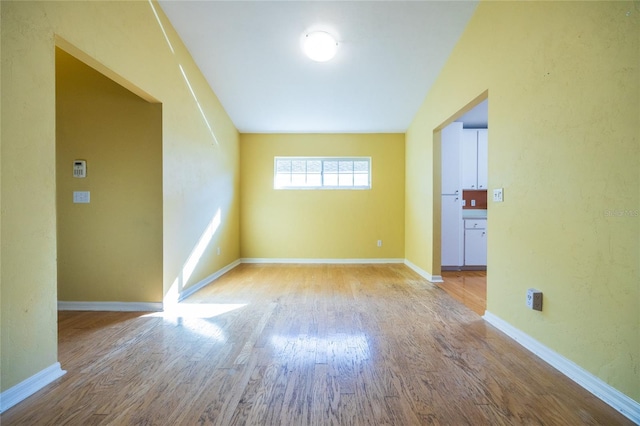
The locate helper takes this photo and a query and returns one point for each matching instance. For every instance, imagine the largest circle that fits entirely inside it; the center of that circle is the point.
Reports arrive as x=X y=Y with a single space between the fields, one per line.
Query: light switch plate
x=81 y=197
x=497 y=195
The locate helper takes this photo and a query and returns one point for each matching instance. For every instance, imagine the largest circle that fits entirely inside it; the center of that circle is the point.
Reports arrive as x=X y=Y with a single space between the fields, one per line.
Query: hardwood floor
x=304 y=345
x=468 y=287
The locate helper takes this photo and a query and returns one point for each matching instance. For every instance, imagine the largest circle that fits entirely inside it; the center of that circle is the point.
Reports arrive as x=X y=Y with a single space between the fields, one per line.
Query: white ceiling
x=389 y=54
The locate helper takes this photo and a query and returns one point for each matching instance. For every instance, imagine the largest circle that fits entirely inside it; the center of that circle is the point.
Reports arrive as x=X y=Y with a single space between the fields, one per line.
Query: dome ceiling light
x=319 y=46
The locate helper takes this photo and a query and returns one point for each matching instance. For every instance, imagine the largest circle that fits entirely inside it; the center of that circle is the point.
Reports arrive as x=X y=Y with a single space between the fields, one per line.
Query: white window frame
x=279 y=180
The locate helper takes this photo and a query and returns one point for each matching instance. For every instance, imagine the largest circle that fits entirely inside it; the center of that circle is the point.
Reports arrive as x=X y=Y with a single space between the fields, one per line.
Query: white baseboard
x=110 y=306
x=28 y=387
x=616 y=399
x=202 y=283
x=320 y=261
x=423 y=273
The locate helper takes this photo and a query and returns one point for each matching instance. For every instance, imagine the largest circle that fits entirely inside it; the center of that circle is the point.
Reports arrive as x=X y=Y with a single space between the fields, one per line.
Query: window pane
x=346 y=166
x=345 y=180
x=330 y=166
x=361 y=166
x=298 y=179
x=283 y=180
x=330 y=179
x=298 y=166
x=361 y=179
x=314 y=179
x=283 y=166
x=314 y=166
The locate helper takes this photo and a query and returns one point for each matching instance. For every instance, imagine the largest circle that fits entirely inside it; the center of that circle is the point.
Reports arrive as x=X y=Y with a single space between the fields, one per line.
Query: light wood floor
x=304 y=345
x=468 y=287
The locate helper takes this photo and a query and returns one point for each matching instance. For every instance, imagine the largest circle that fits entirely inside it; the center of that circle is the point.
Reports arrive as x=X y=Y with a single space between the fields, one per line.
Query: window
x=322 y=173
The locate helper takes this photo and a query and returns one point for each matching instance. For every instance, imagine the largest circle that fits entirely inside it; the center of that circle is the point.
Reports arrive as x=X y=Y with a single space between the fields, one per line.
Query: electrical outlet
x=534 y=299
x=379 y=243
x=218 y=251
x=497 y=195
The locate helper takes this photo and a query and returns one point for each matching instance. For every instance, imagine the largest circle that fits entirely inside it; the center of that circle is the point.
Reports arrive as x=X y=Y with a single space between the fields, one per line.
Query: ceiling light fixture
x=319 y=46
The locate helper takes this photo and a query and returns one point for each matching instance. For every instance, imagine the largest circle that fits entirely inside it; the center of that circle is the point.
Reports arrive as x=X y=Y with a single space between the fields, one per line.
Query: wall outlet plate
x=534 y=299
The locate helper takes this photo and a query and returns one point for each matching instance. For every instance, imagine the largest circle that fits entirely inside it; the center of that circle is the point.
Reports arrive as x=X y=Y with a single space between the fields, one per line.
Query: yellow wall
x=111 y=248
x=125 y=41
x=564 y=106
x=322 y=224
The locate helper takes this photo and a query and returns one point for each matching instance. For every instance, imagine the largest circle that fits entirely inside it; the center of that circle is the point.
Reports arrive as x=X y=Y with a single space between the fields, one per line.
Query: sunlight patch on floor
x=197 y=310
x=195 y=317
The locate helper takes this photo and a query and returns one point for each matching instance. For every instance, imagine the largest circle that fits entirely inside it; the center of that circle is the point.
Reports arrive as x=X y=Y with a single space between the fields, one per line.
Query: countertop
x=474 y=214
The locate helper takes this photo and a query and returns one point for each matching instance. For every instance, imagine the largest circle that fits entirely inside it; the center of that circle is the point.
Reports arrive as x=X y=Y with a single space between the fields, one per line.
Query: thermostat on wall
x=79 y=168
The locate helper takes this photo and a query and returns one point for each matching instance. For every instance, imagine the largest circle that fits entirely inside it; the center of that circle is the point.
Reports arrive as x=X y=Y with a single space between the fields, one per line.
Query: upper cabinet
x=451 y=137
x=483 y=159
x=473 y=154
x=469 y=156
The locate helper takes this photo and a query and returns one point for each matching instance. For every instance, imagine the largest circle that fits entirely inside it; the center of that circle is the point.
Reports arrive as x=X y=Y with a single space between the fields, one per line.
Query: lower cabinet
x=452 y=231
x=475 y=242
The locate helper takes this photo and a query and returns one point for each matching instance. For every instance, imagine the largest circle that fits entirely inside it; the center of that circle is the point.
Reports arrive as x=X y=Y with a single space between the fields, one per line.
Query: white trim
x=423 y=273
x=320 y=261
x=203 y=283
x=28 y=387
x=110 y=306
x=616 y=399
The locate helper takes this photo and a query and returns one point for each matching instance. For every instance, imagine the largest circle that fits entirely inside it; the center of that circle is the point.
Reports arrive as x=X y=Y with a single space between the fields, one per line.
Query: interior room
x=191 y=206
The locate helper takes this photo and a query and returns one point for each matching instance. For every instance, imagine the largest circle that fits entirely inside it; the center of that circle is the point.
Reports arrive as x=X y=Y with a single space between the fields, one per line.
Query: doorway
x=464 y=207
x=109 y=215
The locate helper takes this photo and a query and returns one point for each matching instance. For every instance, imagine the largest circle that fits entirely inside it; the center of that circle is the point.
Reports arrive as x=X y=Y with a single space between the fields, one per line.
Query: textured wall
x=322 y=224
x=132 y=43
x=564 y=105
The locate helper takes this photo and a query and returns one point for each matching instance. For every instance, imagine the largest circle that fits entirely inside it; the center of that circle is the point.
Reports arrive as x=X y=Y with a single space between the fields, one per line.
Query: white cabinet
x=450 y=148
x=452 y=232
x=464 y=166
x=475 y=242
x=474 y=156
x=469 y=159
x=483 y=159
